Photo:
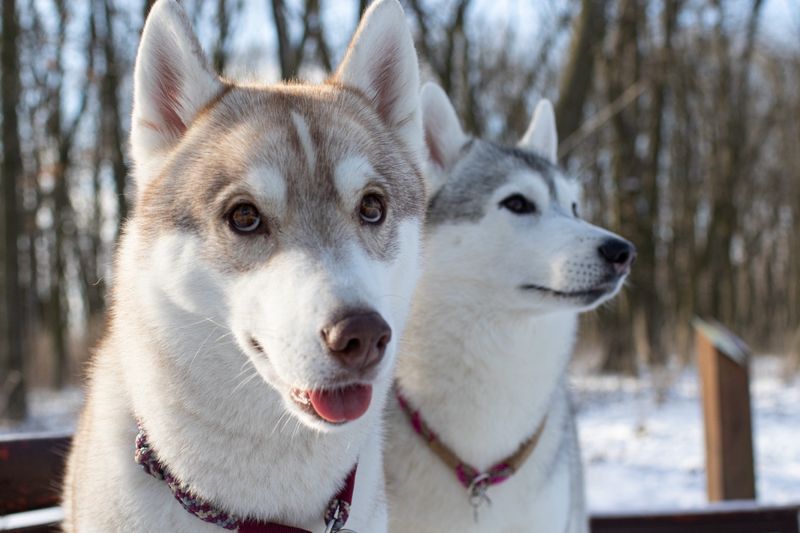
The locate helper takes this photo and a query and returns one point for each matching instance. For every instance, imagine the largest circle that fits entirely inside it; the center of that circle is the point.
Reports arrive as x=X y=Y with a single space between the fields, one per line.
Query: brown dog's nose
x=358 y=341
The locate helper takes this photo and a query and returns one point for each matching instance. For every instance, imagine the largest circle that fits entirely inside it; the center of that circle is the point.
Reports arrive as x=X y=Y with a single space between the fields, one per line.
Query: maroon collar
x=335 y=515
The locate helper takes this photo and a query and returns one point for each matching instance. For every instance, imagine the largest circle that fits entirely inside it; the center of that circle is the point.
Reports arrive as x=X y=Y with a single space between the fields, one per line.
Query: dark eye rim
x=383 y=206
x=259 y=229
x=526 y=207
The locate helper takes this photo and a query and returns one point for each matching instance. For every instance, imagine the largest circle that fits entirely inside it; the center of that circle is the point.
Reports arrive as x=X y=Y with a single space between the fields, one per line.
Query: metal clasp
x=477 y=493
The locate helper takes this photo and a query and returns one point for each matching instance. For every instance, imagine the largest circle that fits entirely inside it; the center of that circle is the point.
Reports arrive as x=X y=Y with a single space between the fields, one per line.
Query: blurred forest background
x=681 y=116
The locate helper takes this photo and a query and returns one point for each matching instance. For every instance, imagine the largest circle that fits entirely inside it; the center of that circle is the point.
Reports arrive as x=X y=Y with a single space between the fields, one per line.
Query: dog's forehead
x=567 y=187
x=295 y=126
x=300 y=132
x=297 y=148
x=483 y=169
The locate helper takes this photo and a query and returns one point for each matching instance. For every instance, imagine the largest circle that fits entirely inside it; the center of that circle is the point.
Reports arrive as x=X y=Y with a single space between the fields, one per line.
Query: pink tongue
x=340 y=405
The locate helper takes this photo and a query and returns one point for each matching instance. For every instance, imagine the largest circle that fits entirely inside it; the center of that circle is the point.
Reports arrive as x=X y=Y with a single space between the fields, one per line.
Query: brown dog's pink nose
x=358 y=341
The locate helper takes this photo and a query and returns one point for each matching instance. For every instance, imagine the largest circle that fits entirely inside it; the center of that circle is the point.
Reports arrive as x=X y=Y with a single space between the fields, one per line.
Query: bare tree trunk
x=12 y=360
x=292 y=53
x=286 y=53
x=473 y=120
x=684 y=199
x=518 y=116
x=650 y=303
x=313 y=28
x=110 y=104
x=94 y=287
x=794 y=269
x=89 y=256
x=220 y=55
x=63 y=133
x=578 y=72
x=623 y=70
x=34 y=309
x=443 y=63
x=732 y=101
x=58 y=307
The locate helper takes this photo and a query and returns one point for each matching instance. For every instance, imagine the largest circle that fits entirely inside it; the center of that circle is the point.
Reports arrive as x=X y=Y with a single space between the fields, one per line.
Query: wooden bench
x=728 y=517
x=31 y=467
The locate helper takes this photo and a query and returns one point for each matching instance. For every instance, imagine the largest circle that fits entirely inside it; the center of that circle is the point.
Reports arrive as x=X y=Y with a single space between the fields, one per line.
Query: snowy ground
x=642 y=455
x=637 y=454
x=49 y=411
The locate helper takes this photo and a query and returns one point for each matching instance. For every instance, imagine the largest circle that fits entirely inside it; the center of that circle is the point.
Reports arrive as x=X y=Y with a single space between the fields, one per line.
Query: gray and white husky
x=481 y=373
x=260 y=289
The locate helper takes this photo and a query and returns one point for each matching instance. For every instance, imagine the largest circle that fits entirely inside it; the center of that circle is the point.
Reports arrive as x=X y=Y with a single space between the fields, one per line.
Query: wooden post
x=723 y=364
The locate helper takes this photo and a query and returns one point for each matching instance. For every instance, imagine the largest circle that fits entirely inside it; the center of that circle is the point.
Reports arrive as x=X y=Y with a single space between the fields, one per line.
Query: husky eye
x=519 y=205
x=372 y=209
x=245 y=219
x=575 y=209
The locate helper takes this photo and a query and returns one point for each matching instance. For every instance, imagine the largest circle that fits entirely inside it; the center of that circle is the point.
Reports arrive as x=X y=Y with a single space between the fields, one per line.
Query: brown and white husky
x=260 y=289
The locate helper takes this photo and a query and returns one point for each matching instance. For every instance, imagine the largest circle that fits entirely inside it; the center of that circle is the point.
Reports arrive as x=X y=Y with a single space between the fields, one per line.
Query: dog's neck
x=482 y=380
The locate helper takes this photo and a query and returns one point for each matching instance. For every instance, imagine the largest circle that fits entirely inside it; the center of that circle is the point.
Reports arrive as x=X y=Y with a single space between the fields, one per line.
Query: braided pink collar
x=335 y=515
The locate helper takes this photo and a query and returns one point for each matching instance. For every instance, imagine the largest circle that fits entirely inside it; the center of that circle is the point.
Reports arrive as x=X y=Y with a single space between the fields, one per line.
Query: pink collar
x=335 y=515
x=472 y=479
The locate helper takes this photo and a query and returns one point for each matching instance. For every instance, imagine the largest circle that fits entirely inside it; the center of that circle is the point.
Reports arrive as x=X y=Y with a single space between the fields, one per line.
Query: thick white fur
x=178 y=356
x=484 y=362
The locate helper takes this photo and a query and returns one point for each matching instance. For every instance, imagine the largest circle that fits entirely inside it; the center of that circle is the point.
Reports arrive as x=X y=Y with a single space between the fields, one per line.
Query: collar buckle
x=477 y=493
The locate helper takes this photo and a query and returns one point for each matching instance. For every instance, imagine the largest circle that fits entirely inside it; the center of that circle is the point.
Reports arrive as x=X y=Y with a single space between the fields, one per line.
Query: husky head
x=506 y=219
x=286 y=217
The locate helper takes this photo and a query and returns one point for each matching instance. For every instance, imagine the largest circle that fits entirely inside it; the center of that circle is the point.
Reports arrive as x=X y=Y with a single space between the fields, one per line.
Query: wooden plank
x=31 y=468
x=724 y=375
x=728 y=519
x=39 y=521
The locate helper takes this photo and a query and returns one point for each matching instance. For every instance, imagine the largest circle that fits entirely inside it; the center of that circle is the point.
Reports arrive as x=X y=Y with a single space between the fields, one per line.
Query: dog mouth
x=594 y=293
x=335 y=406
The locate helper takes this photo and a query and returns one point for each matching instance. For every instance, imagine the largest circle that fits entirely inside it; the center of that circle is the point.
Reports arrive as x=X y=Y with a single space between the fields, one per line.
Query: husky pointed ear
x=443 y=134
x=381 y=62
x=542 y=136
x=172 y=83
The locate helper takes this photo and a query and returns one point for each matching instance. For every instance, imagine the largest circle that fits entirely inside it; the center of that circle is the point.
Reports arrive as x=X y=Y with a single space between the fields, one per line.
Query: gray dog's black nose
x=358 y=341
x=619 y=253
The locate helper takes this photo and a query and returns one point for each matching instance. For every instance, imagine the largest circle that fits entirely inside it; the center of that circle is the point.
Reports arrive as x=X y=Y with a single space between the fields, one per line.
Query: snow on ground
x=639 y=454
x=49 y=411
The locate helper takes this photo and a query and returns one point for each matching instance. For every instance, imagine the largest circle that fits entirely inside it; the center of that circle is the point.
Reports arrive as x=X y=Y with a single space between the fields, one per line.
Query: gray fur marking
x=481 y=170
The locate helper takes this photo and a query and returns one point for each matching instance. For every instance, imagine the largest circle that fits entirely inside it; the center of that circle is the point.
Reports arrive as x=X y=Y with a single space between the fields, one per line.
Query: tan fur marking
x=248 y=127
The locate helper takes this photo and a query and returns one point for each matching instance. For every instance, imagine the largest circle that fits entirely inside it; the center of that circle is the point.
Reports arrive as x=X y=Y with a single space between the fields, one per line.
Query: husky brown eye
x=244 y=218
x=372 y=209
x=519 y=205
